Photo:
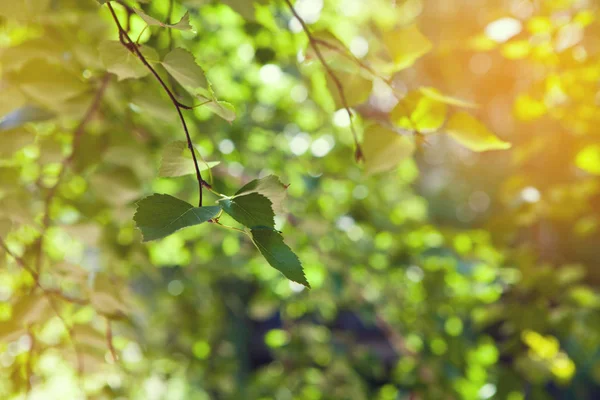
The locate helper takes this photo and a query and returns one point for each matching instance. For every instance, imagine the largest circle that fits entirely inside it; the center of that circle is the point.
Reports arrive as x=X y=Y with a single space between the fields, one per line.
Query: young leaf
x=250 y=210
x=182 y=25
x=405 y=45
x=177 y=160
x=472 y=134
x=271 y=245
x=182 y=65
x=435 y=94
x=160 y=215
x=417 y=112
x=270 y=187
x=384 y=149
x=123 y=63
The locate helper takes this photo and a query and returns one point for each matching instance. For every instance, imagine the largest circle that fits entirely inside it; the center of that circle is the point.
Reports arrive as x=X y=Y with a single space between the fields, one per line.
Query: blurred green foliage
x=455 y=260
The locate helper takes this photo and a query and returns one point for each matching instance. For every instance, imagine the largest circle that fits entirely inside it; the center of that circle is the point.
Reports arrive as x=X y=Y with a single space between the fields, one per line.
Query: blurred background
x=446 y=274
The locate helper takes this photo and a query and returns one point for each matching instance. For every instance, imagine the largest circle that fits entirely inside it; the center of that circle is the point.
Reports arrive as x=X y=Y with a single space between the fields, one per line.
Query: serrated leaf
x=384 y=149
x=160 y=215
x=120 y=61
x=418 y=112
x=435 y=94
x=223 y=109
x=250 y=210
x=270 y=187
x=182 y=65
x=271 y=245
x=177 y=160
x=406 y=45
x=472 y=134
x=182 y=25
x=356 y=89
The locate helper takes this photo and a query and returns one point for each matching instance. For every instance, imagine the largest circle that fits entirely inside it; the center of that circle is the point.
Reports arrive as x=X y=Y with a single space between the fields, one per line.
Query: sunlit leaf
x=406 y=45
x=160 y=215
x=270 y=187
x=384 y=149
x=419 y=112
x=123 y=63
x=271 y=245
x=177 y=160
x=435 y=94
x=588 y=159
x=355 y=88
x=472 y=134
x=183 y=24
x=182 y=65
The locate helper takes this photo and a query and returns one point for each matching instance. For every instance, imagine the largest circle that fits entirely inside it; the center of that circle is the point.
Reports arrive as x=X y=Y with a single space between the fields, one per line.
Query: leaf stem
x=132 y=47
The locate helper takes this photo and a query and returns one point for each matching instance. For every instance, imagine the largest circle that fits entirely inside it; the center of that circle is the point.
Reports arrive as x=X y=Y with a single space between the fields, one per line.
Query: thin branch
x=48 y=294
x=132 y=47
x=109 y=340
x=87 y=117
x=358 y=155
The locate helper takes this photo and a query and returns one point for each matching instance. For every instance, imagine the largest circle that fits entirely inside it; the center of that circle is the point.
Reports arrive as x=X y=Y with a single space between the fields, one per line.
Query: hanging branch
x=133 y=48
x=87 y=117
x=358 y=155
x=48 y=294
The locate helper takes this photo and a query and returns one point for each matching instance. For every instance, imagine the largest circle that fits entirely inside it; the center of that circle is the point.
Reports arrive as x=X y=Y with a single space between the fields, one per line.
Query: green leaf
x=472 y=134
x=182 y=65
x=223 y=109
x=383 y=149
x=270 y=187
x=355 y=87
x=245 y=8
x=435 y=94
x=271 y=245
x=177 y=160
x=47 y=83
x=417 y=112
x=160 y=215
x=123 y=63
x=250 y=210
x=406 y=45
x=182 y=25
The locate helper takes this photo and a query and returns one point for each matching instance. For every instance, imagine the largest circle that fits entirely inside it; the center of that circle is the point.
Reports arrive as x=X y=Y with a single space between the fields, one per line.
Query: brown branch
x=64 y=164
x=358 y=155
x=109 y=340
x=132 y=47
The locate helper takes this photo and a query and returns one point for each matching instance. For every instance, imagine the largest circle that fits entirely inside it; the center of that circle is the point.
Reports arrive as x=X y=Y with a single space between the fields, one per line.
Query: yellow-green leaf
x=406 y=45
x=588 y=159
x=419 y=112
x=473 y=134
x=383 y=149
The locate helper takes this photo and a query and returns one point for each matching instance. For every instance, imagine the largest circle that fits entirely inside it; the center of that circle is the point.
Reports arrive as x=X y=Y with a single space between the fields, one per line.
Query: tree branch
x=132 y=47
x=358 y=155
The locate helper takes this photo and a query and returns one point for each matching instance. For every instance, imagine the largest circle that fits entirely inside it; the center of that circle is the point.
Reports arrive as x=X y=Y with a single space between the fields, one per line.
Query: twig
x=65 y=163
x=132 y=47
x=109 y=340
x=358 y=155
